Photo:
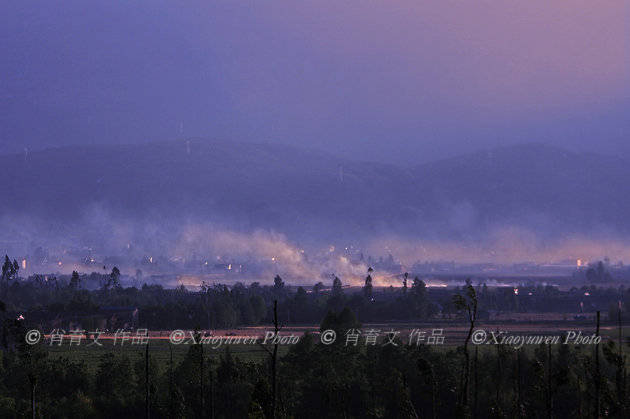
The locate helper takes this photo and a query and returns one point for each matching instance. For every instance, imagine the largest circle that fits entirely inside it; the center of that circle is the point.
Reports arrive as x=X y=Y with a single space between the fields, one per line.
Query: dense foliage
x=312 y=380
x=82 y=300
x=316 y=380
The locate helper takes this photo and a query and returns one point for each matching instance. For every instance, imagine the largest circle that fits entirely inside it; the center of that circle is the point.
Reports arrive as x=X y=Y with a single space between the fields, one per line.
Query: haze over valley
x=192 y=199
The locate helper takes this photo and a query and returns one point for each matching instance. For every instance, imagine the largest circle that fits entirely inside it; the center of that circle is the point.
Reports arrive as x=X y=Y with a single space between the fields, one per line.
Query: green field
x=159 y=350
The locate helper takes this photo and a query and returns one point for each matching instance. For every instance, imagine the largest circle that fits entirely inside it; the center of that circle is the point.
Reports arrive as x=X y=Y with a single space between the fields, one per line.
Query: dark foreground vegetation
x=98 y=301
x=307 y=379
x=316 y=380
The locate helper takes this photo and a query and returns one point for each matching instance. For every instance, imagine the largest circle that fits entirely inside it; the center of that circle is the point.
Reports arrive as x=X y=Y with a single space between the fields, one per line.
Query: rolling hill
x=311 y=193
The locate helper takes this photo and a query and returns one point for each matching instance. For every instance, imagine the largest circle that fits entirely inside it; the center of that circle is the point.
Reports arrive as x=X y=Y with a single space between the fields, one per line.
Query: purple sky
x=391 y=80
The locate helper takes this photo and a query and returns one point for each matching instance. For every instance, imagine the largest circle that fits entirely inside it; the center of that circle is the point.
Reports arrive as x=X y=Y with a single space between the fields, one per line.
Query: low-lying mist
x=101 y=236
x=505 y=245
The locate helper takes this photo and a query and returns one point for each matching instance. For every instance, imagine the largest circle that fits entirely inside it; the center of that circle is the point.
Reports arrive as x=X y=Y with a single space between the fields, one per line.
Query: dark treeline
x=88 y=301
x=314 y=380
x=78 y=301
x=311 y=379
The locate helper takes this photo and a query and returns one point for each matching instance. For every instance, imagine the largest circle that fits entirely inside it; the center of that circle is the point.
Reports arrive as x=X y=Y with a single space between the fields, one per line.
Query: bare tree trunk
x=476 y=393
x=211 y=391
x=274 y=361
x=146 y=381
x=32 y=382
x=434 y=393
x=201 y=377
x=622 y=366
x=498 y=379
x=597 y=374
x=469 y=304
x=549 y=399
x=518 y=382
x=170 y=380
x=580 y=406
x=466 y=369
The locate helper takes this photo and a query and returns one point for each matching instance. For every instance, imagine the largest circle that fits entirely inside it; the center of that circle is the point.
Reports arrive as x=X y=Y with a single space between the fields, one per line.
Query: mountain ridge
x=287 y=188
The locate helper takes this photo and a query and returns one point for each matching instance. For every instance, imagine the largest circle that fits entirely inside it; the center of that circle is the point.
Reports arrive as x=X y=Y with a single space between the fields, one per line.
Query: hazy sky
x=405 y=80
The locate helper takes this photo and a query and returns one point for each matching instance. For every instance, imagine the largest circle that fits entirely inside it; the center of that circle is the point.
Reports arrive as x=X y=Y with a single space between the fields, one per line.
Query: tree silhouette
x=367 y=288
x=468 y=304
x=9 y=273
x=75 y=280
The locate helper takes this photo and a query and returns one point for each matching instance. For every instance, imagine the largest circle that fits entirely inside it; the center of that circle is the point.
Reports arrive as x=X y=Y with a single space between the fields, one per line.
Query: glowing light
x=23 y=263
x=587 y=293
x=515 y=291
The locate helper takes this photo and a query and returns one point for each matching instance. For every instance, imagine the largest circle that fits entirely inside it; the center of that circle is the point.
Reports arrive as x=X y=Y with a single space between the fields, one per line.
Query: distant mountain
x=311 y=193
x=534 y=185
